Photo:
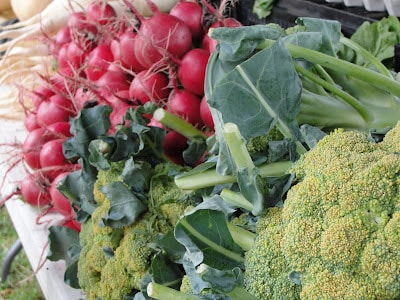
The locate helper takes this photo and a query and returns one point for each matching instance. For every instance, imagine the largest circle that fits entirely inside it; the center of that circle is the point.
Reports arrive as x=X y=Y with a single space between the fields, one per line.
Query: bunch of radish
x=123 y=60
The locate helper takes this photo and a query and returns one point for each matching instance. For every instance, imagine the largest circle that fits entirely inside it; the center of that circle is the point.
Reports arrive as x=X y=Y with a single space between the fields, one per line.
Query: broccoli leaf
x=260 y=93
x=165 y=272
x=90 y=124
x=64 y=245
x=125 y=208
x=207 y=239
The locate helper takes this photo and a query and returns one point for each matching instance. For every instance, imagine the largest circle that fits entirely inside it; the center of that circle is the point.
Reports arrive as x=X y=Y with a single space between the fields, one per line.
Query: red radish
x=174 y=144
x=40 y=94
x=112 y=82
x=191 y=13
x=61 y=204
x=62 y=37
x=51 y=157
x=30 y=121
x=60 y=129
x=119 y=98
x=148 y=86
x=126 y=49
x=83 y=96
x=205 y=114
x=33 y=190
x=83 y=32
x=32 y=145
x=186 y=105
x=75 y=55
x=160 y=36
x=98 y=61
x=56 y=109
x=192 y=70
x=100 y=12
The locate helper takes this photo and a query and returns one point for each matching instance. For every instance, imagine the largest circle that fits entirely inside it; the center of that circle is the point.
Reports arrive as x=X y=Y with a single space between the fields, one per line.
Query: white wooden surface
x=24 y=217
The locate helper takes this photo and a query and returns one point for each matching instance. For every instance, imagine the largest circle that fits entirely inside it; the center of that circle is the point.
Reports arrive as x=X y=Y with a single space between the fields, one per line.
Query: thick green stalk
x=161 y=292
x=236 y=199
x=339 y=65
x=242 y=237
x=212 y=178
x=237 y=148
x=349 y=99
x=177 y=124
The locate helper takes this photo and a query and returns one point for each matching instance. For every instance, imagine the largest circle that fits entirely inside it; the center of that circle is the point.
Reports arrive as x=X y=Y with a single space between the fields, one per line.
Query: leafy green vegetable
x=64 y=244
x=263 y=8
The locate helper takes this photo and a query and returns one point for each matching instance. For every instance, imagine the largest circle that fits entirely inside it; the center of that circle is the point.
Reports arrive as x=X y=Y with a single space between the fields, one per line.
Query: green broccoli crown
x=336 y=216
x=267 y=271
x=113 y=261
x=260 y=144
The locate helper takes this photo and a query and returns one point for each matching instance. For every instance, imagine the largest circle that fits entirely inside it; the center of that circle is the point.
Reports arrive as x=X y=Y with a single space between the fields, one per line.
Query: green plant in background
x=21 y=283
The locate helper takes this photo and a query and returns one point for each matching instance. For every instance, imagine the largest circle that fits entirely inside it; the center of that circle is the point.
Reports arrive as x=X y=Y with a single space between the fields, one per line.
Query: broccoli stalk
x=162 y=292
x=177 y=124
x=159 y=291
x=197 y=179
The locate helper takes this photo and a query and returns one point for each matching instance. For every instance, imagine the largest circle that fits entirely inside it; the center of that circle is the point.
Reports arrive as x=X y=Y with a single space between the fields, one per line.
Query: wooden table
x=24 y=217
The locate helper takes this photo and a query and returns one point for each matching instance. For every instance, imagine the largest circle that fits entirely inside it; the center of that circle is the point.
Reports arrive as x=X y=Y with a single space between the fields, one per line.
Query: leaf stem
x=177 y=124
x=344 y=67
x=210 y=177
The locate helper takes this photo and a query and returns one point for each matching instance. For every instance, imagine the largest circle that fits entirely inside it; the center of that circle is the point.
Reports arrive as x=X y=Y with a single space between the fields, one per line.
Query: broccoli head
x=337 y=235
x=113 y=261
x=267 y=271
x=338 y=215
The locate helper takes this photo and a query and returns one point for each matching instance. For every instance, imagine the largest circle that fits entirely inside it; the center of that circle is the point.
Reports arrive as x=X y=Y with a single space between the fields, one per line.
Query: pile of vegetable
x=195 y=158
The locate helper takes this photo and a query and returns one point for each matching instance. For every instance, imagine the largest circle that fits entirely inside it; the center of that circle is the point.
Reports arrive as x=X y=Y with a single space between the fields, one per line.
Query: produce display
x=192 y=157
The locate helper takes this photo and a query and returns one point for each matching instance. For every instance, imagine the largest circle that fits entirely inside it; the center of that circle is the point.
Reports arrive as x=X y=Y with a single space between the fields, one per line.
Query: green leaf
x=137 y=175
x=238 y=43
x=64 y=245
x=263 y=8
x=78 y=187
x=165 y=271
x=125 y=206
x=330 y=29
x=196 y=148
x=379 y=38
x=207 y=239
x=260 y=93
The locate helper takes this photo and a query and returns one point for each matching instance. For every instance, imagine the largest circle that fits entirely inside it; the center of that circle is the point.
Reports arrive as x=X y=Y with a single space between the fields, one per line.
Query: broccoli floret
x=113 y=261
x=267 y=271
x=260 y=144
x=336 y=217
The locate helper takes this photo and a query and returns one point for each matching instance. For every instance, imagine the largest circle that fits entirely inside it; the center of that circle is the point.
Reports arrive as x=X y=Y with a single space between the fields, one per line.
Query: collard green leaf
x=238 y=43
x=207 y=239
x=125 y=206
x=330 y=29
x=64 y=245
x=260 y=93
